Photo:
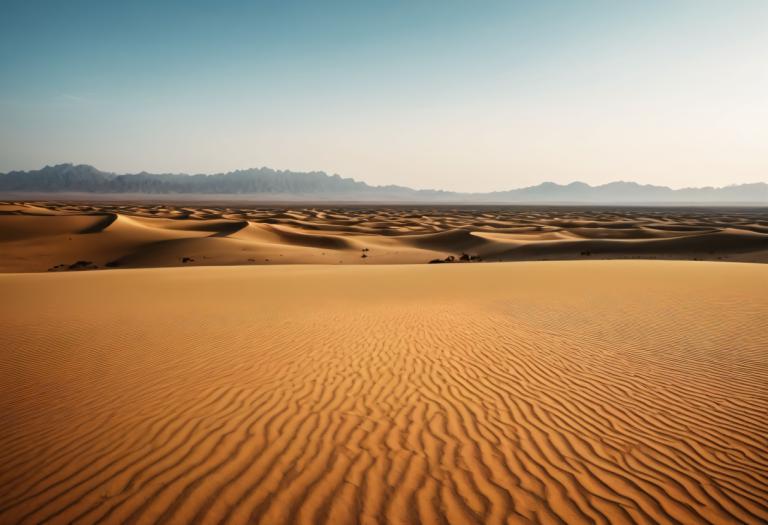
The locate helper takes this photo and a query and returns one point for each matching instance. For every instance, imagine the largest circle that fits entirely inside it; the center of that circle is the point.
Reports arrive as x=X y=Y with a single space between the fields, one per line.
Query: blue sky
x=456 y=95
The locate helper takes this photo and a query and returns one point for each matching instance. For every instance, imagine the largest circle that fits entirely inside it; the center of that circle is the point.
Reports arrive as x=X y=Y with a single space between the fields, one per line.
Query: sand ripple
x=595 y=392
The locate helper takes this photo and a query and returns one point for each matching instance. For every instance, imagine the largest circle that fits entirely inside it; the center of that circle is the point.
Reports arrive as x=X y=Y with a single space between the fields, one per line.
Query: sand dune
x=36 y=237
x=538 y=392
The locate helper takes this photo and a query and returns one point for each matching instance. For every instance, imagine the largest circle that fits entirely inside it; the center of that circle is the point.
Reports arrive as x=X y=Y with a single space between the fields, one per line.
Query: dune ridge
x=54 y=236
x=540 y=392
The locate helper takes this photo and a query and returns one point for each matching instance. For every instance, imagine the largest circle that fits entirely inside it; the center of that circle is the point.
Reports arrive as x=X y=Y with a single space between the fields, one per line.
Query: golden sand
x=544 y=392
x=46 y=236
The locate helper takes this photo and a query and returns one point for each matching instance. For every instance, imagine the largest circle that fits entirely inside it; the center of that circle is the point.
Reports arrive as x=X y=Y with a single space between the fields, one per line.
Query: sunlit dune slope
x=60 y=237
x=543 y=392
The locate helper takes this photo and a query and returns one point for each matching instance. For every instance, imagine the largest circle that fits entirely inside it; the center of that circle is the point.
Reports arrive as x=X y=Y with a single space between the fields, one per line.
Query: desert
x=383 y=263
x=530 y=392
x=307 y=364
x=63 y=236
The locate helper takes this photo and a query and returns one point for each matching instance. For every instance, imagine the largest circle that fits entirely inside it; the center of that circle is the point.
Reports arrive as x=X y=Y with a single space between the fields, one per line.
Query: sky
x=456 y=95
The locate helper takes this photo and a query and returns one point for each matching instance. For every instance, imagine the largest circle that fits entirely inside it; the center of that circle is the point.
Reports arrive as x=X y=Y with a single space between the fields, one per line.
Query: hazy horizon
x=472 y=99
x=383 y=185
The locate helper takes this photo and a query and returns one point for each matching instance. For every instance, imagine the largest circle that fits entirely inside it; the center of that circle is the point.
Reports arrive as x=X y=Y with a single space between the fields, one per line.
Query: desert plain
x=307 y=365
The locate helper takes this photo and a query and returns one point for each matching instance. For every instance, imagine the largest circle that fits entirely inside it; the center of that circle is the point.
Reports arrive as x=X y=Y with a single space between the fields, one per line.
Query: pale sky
x=458 y=95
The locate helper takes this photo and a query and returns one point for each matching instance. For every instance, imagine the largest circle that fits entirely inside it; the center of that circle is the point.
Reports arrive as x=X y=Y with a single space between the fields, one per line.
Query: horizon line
x=327 y=174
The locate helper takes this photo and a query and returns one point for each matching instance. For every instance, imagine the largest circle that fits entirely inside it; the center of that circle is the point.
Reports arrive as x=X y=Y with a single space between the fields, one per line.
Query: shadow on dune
x=728 y=242
x=101 y=225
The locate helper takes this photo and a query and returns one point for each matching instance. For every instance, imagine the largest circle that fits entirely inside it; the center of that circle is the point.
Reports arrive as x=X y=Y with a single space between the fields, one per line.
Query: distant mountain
x=632 y=192
x=265 y=183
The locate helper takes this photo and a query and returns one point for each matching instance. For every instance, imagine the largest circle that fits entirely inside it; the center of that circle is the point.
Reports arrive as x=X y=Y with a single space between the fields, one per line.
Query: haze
x=450 y=95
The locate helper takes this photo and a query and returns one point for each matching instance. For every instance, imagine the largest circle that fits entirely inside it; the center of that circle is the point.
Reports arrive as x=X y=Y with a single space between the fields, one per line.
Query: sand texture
x=535 y=392
x=47 y=236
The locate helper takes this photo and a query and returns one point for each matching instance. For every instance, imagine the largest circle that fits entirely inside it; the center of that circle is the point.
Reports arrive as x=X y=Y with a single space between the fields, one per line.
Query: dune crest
x=35 y=237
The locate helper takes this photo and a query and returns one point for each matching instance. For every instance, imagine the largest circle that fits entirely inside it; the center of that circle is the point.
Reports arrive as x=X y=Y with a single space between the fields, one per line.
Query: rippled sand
x=544 y=392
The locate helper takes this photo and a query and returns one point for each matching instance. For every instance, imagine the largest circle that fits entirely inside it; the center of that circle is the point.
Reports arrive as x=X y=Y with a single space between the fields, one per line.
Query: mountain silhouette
x=266 y=183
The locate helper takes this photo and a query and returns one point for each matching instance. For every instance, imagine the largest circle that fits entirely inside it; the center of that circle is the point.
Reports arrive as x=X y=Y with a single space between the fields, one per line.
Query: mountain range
x=268 y=184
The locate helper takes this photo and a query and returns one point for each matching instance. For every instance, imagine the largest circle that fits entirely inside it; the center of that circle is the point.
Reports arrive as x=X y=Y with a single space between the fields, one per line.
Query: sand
x=52 y=236
x=534 y=392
